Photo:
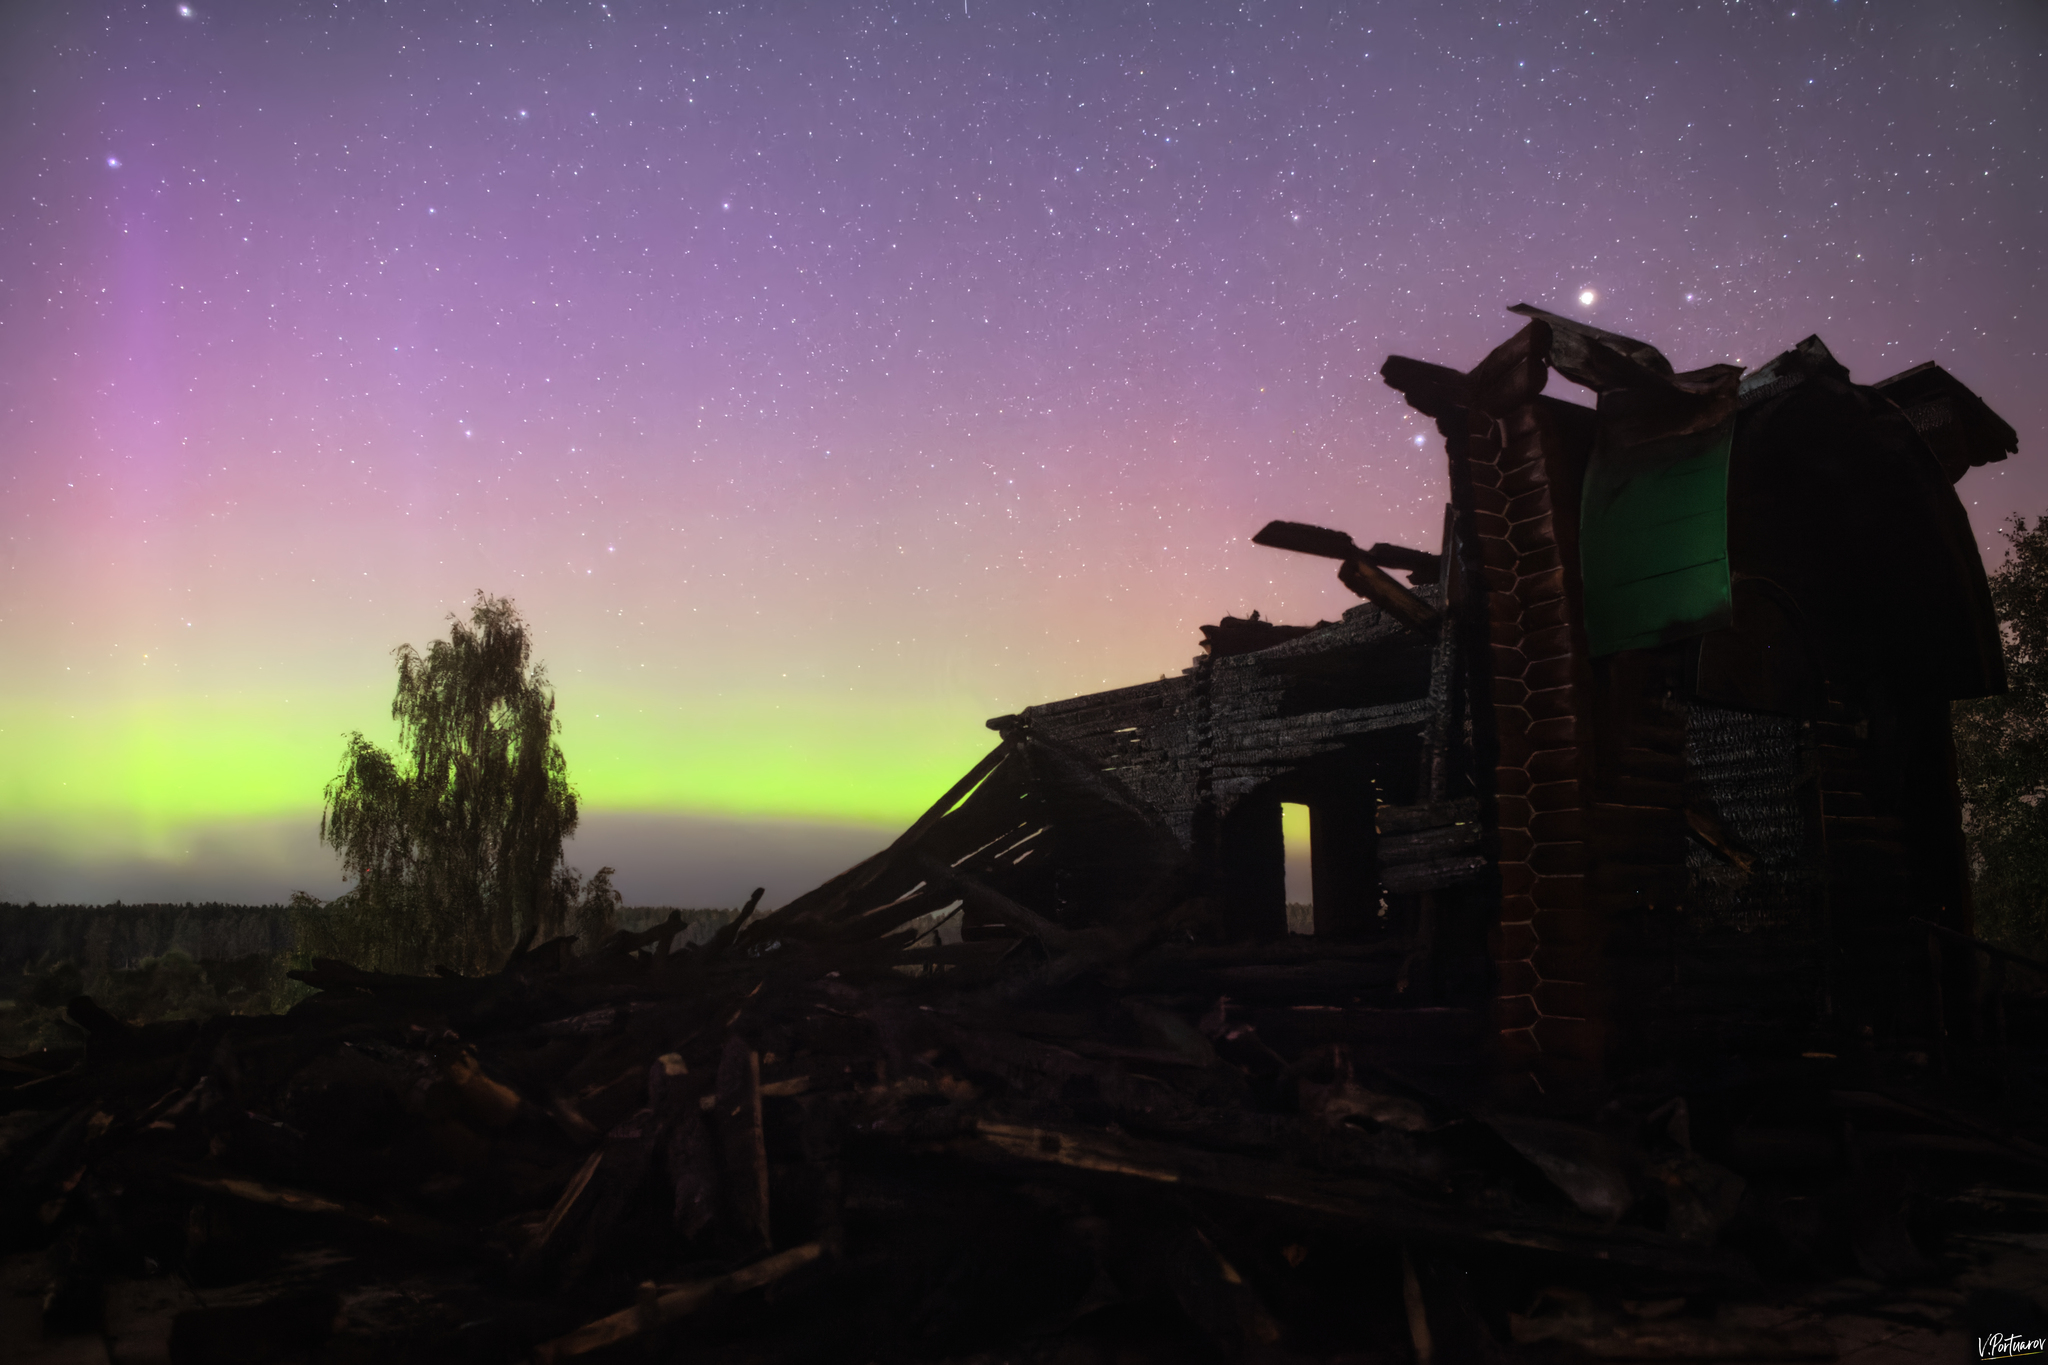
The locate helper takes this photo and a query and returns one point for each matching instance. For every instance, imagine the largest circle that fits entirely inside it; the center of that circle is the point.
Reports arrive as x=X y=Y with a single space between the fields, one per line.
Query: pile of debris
x=1083 y=1131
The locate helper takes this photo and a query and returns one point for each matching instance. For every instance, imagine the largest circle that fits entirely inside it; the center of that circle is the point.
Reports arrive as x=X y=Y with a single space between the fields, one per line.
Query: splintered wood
x=1109 y=1128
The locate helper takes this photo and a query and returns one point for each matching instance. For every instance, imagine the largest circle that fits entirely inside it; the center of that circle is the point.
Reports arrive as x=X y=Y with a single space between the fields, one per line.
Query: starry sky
x=823 y=379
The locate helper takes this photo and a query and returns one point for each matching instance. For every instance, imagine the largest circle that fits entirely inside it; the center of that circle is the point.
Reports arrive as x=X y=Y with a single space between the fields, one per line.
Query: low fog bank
x=662 y=859
x=697 y=861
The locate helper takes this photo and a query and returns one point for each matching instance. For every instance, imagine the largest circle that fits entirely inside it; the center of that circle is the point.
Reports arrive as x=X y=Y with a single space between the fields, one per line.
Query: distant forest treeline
x=154 y=962
x=102 y=938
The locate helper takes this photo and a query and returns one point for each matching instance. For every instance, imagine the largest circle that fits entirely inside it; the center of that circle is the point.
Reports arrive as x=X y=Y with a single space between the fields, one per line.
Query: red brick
x=1556 y=796
x=1499 y=580
x=1514 y=978
x=1484 y=474
x=1513 y=1012
x=1516 y=879
x=1551 y=702
x=1525 y=424
x=1502 y=606
x=1509 y=662
x=1570 y=999
x=1510 y=781
x=1562 y=928
x=1569 y=1082
x=1561 y=961
x=1553 y=826
x=1555 y=765
x=1580 y=1039
x=1534 y=503
x=1638 y=792
x=1509 y=692
x=1506 y=635
x=1490 y=524
x=1517 y=1047
x=1518 y=938
x=1533 y=536
x=1490 y=500
x=1514 y=811
x=1520 y=454
x=1646 y=883
x=1559 y=859
x=1615 y=820
x=1557 y=891
x=1536 y=561
x=1548 y=615
x=1535 y=588
x=1496 y=553
x=1555 y=733
x=1523 y=476
x=1515 y=844
x=1511 y=729
x=1669 y=851
x=1552 y=643
x=1550 y=673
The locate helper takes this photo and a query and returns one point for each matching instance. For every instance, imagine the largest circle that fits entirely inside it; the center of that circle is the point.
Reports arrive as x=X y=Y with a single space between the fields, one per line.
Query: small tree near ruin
x=2002 y=756
x=455 y=842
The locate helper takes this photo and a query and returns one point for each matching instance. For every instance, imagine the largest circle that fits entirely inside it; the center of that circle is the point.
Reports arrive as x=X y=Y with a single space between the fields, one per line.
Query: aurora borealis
x=823 y=379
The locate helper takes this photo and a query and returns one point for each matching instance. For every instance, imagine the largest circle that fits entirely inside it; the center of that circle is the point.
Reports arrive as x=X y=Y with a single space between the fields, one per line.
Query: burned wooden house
x=1646 y=762
x=1636 y=775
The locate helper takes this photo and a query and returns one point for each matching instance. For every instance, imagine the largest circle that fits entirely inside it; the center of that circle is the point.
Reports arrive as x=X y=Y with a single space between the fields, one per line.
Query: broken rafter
x=1358 y=1202
x=1366 y=579
x=658 y=1307
x=1358 y=571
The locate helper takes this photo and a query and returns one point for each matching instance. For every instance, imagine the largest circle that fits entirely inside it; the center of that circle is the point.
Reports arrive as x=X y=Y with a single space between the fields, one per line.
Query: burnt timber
x=1636 y=1023
x=1713 y=838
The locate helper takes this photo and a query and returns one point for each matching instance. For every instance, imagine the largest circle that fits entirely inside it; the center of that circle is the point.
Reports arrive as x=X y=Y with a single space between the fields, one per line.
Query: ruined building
x=1651 y=758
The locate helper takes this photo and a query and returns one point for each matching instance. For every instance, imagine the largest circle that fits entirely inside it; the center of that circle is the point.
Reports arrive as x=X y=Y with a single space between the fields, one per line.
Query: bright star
x=115 y=162
x=1586 y=297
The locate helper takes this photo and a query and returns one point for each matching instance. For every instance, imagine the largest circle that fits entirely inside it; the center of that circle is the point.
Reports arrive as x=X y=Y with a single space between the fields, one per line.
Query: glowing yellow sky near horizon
x=131 y=770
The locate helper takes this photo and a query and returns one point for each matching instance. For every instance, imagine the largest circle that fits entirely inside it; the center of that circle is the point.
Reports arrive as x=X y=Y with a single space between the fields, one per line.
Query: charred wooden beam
x=739 y=1130
x=1433 y=390
x=1409 y=819
x=1361 y=1203
x=666 y=1305
x=1366 y=579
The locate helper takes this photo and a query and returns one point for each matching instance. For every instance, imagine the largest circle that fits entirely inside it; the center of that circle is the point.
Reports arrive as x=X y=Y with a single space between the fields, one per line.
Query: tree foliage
x=455 y=842
x=2002 y=755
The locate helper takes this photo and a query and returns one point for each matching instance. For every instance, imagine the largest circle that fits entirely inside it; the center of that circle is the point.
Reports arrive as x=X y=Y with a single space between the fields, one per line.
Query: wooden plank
x=1407 y=819
x=1434 y=875
x=307 y=1202
x=1368 y=580
x=1428 y=845
x=665 y=1305
x=540 y=1245
x=740 y=1134
x=1433 y=390
x=1285 y=1188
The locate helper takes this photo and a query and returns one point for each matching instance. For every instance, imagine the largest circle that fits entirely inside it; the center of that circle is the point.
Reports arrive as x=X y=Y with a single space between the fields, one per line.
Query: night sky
x=821 y=380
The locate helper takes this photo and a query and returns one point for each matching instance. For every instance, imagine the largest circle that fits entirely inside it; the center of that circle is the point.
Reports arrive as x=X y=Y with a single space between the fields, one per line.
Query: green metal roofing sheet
x=1653 y=540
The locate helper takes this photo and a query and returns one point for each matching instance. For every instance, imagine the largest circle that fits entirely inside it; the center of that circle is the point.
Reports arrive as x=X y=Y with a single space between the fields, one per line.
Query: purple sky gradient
x=855 y=372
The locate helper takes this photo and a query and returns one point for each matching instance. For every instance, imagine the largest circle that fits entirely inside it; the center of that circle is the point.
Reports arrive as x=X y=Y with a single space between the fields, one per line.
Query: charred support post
x=1254 y=866
x=1343 y=863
